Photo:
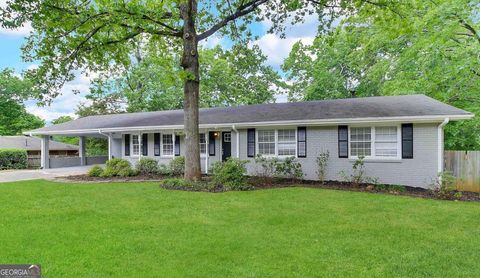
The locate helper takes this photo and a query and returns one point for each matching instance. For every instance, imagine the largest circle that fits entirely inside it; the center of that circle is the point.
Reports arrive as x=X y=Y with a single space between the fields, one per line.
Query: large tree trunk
x=188 y=10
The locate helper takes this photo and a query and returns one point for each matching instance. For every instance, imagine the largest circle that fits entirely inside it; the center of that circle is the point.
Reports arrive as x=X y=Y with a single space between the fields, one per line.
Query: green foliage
x=95 y=171
x=118 y=167
x=177 y=166
x=390 y=187
x=358 y=174
x=13 y=159
x=14 y=118
x=147 y=166
x=287 y=167
x=444 y=186
x=230 y=174
x=322 y=160
x=183 y=184
x=393 y=51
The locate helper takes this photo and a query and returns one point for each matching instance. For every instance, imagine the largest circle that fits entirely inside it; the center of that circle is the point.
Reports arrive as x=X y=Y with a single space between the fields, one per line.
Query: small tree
x=322 y=160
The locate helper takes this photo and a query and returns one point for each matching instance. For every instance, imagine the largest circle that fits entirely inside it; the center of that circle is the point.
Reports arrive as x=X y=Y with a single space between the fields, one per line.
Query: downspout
x=237 y=145
x=207 y=144
x=440 y=144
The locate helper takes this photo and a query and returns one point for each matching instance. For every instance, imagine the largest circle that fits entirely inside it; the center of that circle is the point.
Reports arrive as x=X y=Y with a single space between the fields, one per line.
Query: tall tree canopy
x=97 y=35
x=14 y=90
x=433 y=51
x=229 y=77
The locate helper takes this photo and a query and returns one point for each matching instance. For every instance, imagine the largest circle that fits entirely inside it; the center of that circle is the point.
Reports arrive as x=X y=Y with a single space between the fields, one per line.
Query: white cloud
x=19 y=32
x=277 y=49
x=67 y=102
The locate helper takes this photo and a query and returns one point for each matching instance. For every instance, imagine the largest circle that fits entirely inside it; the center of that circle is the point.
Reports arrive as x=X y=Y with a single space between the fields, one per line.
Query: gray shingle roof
x=369 y=107
x=32 y=144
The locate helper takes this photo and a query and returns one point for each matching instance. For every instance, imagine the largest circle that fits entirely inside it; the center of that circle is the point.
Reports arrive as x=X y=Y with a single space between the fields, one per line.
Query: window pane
x=286 y=135
x=286 y=142
x=386 y=141
x=167 y=144
x=203 y=143
x=360 y=141
x=135 y=145
x=266 y=142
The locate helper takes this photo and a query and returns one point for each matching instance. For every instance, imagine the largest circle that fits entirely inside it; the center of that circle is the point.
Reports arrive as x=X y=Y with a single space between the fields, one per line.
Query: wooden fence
x=465 y=165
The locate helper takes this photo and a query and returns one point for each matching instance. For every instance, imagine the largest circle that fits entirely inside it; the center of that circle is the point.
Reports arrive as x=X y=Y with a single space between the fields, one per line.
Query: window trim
x=132 y=150
x=276 y=142
x=206 y=144
x=372 y=155
x=161 y=145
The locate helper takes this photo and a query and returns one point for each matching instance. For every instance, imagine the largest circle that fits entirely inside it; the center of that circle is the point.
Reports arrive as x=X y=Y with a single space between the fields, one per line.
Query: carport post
x=45 y=152
x=81 y=151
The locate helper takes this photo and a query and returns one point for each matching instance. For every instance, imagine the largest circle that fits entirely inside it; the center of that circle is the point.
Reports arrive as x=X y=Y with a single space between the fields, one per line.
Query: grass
x=140 y=230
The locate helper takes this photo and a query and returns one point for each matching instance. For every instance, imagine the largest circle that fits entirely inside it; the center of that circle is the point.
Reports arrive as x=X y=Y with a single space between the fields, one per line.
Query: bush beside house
x=13 y=159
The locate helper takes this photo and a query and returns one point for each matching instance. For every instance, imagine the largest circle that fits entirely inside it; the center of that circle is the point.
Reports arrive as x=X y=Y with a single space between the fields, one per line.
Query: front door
x=226 y=145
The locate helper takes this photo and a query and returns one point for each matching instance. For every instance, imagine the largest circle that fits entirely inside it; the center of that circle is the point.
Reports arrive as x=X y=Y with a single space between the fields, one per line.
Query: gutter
x=237 y=145
x=440 y=144
x=314 y=122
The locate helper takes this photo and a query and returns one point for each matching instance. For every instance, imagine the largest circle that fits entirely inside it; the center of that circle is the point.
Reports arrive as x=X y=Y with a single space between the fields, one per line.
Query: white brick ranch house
x=401 y=137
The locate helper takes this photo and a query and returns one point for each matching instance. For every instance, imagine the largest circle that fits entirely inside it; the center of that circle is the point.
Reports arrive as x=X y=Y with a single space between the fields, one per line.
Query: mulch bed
x=271 y=183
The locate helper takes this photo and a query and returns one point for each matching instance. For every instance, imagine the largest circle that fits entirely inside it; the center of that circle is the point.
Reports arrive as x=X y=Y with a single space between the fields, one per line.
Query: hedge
x=13 y=159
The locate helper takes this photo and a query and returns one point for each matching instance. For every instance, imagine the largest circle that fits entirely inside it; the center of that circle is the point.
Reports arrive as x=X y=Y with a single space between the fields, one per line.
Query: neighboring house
x=32 y=146
x=401 y=137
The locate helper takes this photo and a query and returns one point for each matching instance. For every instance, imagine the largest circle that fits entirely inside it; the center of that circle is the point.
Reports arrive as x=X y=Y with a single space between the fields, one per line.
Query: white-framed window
x=381 y=142
x=167 y=144
x=277 y=142
x=386 y=141
x=266 y=142
x=135 y=145
x=287 y=142
x=203 y=144
x=360 y=141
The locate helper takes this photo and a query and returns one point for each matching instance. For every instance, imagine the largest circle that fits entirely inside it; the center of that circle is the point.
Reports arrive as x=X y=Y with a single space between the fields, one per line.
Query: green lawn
x=140 y=230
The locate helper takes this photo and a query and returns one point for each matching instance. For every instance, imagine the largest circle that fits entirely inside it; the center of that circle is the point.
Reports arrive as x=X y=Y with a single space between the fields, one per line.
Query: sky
x=272 y=45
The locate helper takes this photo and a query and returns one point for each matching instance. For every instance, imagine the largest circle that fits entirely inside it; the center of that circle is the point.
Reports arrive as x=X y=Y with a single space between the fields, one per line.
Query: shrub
x=322 y=160
x=444 y=186
x=177 y=166
x=265 y=166
x=358 y=174
x=13 y=159
x=95 y=171
x=230 y=174
x=288 y=167
x=164 y=170
x=147 y=166
x=118 y=167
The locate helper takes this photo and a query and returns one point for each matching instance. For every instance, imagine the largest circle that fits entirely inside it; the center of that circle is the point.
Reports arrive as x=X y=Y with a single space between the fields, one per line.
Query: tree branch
x=241 y=11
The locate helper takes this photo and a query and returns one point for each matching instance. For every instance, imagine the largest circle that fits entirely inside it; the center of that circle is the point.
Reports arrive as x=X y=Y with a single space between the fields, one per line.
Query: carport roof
x=386 y=108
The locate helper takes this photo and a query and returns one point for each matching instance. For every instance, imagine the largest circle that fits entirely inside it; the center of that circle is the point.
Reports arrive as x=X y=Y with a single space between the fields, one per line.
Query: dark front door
x=226 y=145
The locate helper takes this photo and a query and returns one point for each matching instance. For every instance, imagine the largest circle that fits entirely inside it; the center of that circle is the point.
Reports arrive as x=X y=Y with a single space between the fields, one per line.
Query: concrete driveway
x=20 y=175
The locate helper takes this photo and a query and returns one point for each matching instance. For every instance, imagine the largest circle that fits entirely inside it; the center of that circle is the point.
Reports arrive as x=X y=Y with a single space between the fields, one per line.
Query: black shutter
x=177 y=145
x=156 y=144
x=145 y=144
x=343 y=141
x=127 y=144
x=251 y=142
x=407 y=141
x=211 y=143
x=302 y=141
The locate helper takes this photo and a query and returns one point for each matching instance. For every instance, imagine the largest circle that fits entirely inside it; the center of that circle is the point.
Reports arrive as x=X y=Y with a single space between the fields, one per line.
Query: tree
x=97 y=35
x=237 y=76
x=14 y=118
x=433 y=51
